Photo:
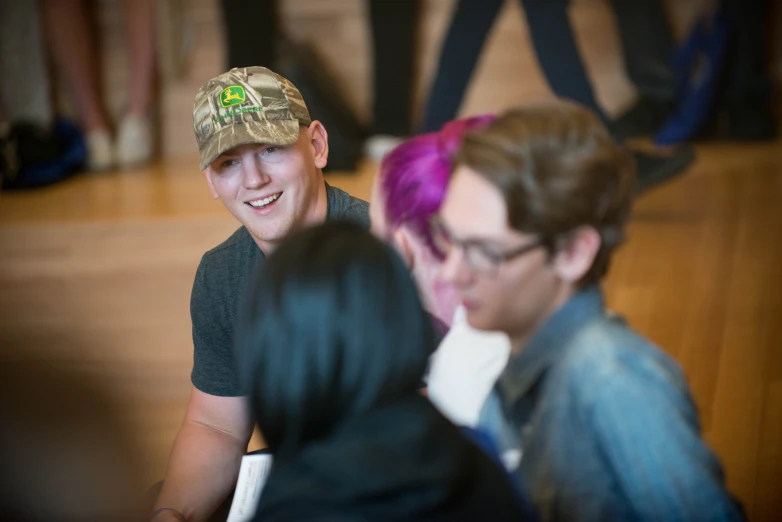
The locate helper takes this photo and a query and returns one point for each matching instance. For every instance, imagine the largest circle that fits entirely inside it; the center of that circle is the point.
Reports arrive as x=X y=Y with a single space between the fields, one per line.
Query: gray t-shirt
x=220 y=284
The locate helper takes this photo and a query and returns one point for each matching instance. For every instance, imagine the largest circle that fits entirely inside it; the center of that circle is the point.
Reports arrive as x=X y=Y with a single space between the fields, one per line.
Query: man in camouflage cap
x=262 y=156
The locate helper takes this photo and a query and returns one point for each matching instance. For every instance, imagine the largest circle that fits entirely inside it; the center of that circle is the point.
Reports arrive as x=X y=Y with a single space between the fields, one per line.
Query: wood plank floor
x=96 y=273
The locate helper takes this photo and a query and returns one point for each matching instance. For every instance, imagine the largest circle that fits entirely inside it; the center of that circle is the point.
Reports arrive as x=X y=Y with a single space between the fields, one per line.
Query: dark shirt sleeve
x=649 y=435
x=213 y=358
x=358 y=212
x=343 y=206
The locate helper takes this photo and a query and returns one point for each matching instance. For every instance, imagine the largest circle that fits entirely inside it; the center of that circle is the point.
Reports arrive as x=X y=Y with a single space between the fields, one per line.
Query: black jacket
x=402 y=462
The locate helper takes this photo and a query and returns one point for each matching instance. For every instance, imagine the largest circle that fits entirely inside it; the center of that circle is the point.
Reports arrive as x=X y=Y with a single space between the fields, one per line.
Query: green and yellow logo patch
x=233 y=95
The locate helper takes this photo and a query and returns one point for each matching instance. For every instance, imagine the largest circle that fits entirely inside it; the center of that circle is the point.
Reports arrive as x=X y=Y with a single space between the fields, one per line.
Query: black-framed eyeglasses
x=477 y=255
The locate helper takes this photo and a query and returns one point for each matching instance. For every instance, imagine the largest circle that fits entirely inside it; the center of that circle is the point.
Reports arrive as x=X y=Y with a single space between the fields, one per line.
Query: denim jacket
x=602 y=425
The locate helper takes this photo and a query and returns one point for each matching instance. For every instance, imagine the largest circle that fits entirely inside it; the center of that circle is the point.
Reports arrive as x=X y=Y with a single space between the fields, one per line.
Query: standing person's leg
x=470 y=24
x=748 y=89
x=394 y=29
x=72 y=51
x=557 y=52
x=135 y=137
x=72 y=47
x=140 y=24
x=24 y=79
x=647 y=45
x=251 y=31
x=561 y=62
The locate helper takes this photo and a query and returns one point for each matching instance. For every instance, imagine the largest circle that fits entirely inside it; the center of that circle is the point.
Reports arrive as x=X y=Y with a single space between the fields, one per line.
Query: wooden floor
x=96 y=273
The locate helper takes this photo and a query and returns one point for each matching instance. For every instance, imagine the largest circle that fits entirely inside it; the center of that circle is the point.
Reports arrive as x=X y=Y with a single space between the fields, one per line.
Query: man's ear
x=208 y=174
x=404 y=247
x=319 y=141
x=576 y=254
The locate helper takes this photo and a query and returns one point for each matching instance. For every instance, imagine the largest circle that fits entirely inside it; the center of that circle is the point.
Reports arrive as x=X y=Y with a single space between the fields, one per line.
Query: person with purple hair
x=408 y=190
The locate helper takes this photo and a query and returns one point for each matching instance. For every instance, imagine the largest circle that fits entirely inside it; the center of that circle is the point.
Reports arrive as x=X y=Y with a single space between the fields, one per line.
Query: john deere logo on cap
x=233 y=95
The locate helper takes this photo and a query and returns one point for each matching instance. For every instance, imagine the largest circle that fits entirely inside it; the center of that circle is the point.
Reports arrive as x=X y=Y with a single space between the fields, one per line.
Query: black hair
x=332 y=329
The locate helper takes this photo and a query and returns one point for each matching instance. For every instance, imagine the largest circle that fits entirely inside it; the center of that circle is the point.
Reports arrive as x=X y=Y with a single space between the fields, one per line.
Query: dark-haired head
x=333 y=329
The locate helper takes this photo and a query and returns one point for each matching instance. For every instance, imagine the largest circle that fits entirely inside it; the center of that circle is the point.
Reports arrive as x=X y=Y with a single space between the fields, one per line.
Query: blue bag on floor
x=34 y=157
x=698 y=63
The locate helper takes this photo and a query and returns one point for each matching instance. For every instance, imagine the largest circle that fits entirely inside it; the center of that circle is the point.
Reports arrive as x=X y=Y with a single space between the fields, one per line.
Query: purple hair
x=414 y=176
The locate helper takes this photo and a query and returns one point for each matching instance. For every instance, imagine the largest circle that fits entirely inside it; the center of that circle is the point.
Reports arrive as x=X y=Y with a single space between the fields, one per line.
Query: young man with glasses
x=597 y=421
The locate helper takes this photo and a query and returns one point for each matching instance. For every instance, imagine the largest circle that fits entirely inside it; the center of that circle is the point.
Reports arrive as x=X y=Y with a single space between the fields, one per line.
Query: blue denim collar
x=548 y=343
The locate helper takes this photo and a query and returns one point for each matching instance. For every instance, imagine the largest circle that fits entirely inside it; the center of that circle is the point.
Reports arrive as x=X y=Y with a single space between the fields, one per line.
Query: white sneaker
x=134 y=141
x=376 y=147
x=100 y=150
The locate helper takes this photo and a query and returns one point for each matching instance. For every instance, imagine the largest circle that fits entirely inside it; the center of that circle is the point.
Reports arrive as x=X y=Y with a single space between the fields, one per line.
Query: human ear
x=208 y=174
x=404 y=247
x=319 y=142
x=576 y=254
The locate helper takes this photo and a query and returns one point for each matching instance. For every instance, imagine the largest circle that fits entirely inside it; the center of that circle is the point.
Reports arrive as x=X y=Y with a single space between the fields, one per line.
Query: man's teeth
x=265 y=201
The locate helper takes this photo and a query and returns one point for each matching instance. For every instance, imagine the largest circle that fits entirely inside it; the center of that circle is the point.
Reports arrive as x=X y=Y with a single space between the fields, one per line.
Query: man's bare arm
x=205 y=458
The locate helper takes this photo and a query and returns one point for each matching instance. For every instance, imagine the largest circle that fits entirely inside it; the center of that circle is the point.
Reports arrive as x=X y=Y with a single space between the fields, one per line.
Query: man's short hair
x=558 y=169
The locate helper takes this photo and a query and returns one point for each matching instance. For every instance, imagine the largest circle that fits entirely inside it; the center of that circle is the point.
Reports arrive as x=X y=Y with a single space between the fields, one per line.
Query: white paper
x=511 y=458
x=252 y=477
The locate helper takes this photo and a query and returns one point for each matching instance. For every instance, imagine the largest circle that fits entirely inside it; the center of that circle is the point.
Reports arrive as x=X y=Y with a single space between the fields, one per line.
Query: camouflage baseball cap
x=246 y=105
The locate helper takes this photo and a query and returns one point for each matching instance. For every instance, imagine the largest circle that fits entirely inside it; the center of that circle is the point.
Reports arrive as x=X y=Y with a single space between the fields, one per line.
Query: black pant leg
x=470 y=24
x=557 y=52
x=647 y=46
x=394 y=26
x=251 y=30
x=747 y=78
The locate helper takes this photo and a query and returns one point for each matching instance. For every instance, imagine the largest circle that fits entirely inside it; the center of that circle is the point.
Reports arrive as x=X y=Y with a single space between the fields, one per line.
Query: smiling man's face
x=273 y=189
